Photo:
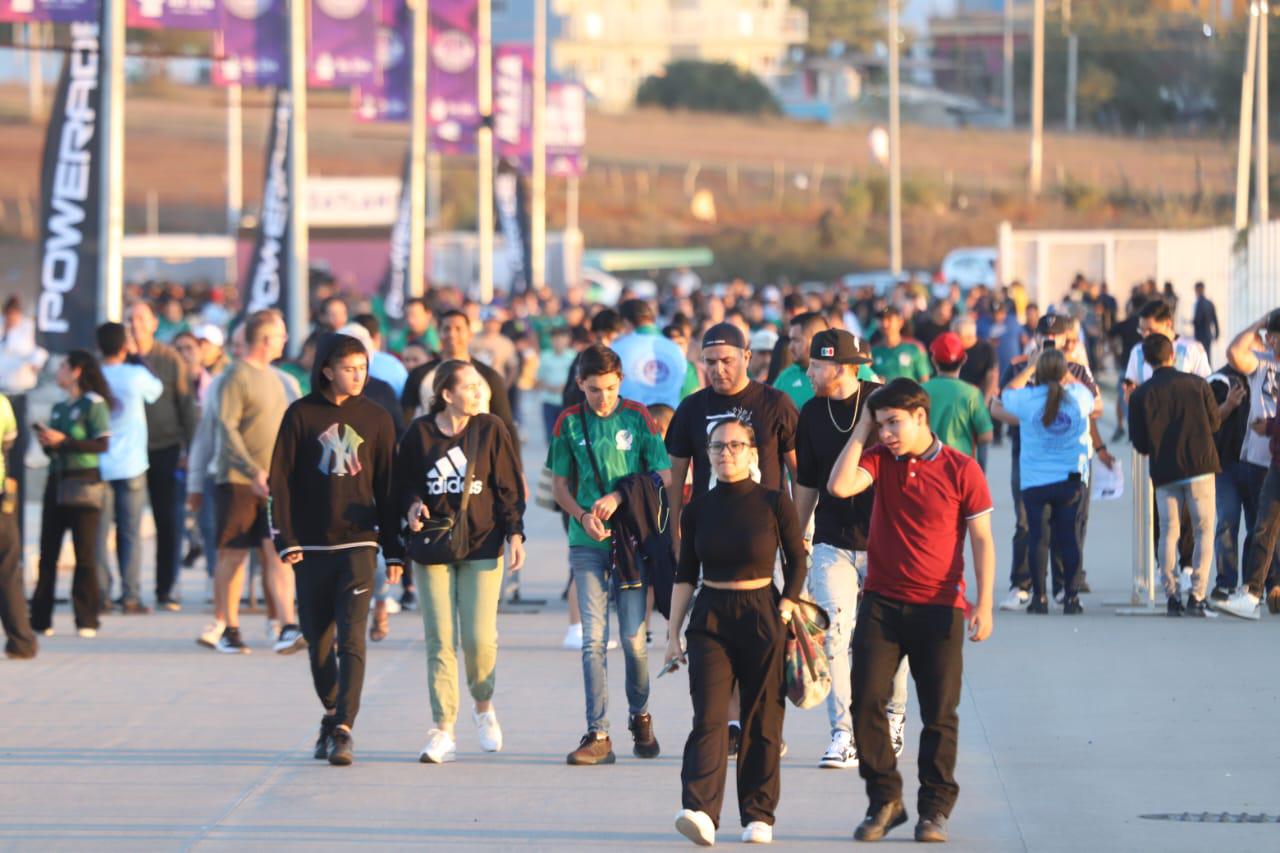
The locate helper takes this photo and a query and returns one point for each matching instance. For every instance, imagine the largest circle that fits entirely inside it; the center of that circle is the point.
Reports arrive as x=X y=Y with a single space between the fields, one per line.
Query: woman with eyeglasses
x=736 y=634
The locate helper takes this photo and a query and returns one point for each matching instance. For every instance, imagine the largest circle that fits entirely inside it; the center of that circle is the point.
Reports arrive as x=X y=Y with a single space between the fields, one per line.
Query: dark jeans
x=334 y=589
x=1237 y=490
x=1055 y=509
x=55 y=521
x=550 y=413
x=1266 y=530
x=736 y=636
x=1020 y=572
x=932 y=639
x=13 y=603
x=168 y=506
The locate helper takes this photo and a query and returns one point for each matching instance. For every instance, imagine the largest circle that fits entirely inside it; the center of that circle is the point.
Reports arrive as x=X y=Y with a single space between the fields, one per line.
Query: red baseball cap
x=947 y=348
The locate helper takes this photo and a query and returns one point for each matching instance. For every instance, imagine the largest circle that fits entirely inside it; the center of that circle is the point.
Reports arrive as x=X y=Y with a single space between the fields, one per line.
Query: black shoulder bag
x=447 y=540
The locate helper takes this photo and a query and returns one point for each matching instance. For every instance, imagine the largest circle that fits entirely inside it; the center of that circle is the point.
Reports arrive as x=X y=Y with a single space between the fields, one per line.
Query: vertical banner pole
x=538 y=204
x=1037 y=98
x=299 y=302
x=1262 y=146
x=111 y=173
x=1243 y=153
x=895 y=147
x=418 y=152
x=484 y=150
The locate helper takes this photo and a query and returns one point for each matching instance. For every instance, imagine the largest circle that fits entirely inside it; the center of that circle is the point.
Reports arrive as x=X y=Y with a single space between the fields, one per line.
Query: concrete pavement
x=1070 y=730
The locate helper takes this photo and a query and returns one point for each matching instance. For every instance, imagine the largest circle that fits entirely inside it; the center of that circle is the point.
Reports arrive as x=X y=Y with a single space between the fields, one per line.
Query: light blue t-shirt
x=134 y=387
x=388 y=368
x=653 y=369
x=1049 y=454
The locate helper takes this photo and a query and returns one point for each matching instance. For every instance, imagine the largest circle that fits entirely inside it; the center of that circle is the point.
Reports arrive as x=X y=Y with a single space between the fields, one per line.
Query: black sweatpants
x=735 y=636
x=168 y=508
x=55 y=521
x=334 y=588
x=13 y=602
x=932 y=638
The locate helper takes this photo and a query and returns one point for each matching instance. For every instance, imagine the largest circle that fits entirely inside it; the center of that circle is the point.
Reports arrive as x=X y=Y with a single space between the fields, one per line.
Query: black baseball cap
x=840 y=346
x=1273 y=321
x=1052 y=325
x=724 y=335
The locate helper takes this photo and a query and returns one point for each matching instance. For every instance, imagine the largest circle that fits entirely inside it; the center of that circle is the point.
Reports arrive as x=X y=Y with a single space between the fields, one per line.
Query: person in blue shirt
x=124 y=465
x=1054 y=420
x=382 y=365
x=654 y=369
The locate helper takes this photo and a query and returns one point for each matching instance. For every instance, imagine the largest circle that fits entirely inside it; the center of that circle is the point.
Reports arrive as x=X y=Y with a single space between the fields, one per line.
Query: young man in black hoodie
x=331 y=508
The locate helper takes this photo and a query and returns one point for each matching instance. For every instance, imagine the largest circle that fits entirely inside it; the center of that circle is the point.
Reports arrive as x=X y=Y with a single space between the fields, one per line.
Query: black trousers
x=13 y=603
x=167 y=507
x=334 y=589
x=735 y=636
x=932 y=638
x=55 y=521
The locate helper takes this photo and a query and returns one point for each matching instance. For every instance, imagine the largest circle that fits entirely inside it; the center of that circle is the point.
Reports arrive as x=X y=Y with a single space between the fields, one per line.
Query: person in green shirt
x=895 y=356
x=957 y=412
x=594 y=444
x=20 y=643
x=78 y=430
x=419 y=326
x=794 y=380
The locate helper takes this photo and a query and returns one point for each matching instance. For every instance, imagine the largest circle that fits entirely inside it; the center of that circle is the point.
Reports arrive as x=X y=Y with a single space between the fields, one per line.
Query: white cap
x=772 y=294
x=211 y=333
x=763 y=340
x=360 y=333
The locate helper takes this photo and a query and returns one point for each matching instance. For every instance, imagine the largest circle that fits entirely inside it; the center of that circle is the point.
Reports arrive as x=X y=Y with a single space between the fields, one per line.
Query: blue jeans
x=123 y=504
x=1023 y=560
x=1061 y=503
x=1238 y=488
x=595 y=594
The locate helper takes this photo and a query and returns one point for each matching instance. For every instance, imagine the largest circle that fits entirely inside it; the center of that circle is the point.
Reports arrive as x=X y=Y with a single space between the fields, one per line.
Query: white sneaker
x=393 y=606
x=290 y=640
x=1184 y=582
x=440 y=749
x=489 y=730
x=87 y=633
x=757 y=832
x=48 y=632
x=1242 y=603
x=210 y=635
x=697 y=827
x=573 y=638
x=898 y=733
x=841 y=755
x=1016 y=600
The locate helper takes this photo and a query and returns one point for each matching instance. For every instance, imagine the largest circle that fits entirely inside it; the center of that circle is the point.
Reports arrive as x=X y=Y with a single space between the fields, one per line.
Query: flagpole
x=538 y=203
x=299 y=308
x=416 y=176
x=111 y=36
x=235 y=165
x=484 y=151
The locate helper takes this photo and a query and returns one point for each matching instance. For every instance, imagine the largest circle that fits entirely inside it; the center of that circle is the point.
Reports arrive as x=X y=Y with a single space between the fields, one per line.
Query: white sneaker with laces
x=898 y=733
x=757 y=832
x=842 y=754
x=440 y=749
x=1242 y=604
x=573 y=638
x=489 y=730
x=697 y=827
x=1016 y=600
x=210 y=635
x=290 y=640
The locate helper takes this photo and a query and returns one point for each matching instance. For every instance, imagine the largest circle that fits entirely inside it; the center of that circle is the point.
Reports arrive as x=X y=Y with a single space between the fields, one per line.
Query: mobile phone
x=39 y=427
x=672 y=666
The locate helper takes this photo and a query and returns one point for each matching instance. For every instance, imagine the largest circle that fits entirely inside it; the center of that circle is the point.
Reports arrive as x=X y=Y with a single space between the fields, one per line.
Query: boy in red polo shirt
x=927 y=496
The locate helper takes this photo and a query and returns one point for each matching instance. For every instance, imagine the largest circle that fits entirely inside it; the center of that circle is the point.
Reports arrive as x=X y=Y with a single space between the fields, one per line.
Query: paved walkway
x=1070 y=730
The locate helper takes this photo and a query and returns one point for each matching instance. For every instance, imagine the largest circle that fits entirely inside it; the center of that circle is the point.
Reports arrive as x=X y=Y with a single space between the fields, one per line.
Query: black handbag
x=443 y=539
x=80 y=493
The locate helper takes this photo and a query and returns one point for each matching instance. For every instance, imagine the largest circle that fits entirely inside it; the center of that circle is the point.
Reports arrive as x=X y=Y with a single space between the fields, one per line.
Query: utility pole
x=895 y=149
x=1073 y=59
x=1262 y=175
x=1247 y=85
x=416 y=175
x=1037 y=98
x=484 y=151
x=299 y=283
x=111 y=35
x=538 y=204
x=1007 y=64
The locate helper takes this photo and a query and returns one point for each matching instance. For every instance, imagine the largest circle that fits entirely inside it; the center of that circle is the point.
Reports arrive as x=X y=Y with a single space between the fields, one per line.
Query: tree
x=855 y=23
x=715 y=87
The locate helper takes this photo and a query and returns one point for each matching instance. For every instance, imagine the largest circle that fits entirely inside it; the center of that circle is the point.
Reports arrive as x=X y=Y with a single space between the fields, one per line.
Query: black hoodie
x=332 y=477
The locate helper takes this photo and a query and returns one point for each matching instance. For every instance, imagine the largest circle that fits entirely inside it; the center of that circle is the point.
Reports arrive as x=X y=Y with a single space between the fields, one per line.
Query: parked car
x=968 y=268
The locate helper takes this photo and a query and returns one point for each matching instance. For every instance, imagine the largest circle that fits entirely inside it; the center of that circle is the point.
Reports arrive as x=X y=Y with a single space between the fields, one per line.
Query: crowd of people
x=689 y=442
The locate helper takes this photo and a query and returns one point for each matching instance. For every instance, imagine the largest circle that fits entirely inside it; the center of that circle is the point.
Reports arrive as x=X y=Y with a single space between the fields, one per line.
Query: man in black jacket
x=332 y=506
x=1172 y=419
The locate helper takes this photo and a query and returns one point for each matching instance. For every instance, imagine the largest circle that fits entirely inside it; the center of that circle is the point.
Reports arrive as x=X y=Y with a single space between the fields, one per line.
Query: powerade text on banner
x=267 y=283
x=67 y=310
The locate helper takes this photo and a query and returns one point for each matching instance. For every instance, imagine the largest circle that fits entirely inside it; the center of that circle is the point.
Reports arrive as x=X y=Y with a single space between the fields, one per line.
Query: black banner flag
x=394 y=288
x=267 y=282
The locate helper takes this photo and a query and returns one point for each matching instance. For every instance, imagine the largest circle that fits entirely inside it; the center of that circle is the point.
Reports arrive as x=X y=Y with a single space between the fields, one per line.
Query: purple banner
x=386 y=97
x=344 y=40
x=566 y=129
x=452 y=111
x=59 y=11
x=253 y=43
x=173 y=14
x=513 y=102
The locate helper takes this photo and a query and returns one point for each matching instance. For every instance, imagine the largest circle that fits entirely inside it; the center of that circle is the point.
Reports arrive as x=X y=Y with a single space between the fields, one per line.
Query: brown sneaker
x=646 y=745
x=381 y=626
x=595 y=748
x=1273 y=599
x=134 y=608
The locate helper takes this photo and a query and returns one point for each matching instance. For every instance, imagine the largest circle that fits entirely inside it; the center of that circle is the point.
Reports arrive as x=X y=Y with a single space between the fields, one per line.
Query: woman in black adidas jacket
x=452 y=445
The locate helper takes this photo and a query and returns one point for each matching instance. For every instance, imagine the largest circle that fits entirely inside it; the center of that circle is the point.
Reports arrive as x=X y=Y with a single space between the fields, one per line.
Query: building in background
x=611 y=46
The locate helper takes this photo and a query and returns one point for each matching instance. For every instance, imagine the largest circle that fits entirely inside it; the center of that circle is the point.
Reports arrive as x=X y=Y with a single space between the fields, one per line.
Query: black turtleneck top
x=733 y=533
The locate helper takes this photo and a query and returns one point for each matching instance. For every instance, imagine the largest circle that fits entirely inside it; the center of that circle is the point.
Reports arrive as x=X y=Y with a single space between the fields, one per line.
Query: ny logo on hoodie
x=341 y=454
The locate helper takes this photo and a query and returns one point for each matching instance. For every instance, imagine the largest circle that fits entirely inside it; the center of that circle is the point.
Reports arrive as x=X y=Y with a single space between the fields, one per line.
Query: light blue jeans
x=834 y=581
x=123 y=506
x=595 y=595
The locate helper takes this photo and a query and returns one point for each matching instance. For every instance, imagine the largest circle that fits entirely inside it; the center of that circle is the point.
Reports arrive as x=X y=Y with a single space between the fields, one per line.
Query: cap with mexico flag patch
x=839 y=346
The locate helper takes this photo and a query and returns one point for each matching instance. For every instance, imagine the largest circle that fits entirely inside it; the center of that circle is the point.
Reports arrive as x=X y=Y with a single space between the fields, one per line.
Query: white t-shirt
x=1264 y=388
x=1188 y=356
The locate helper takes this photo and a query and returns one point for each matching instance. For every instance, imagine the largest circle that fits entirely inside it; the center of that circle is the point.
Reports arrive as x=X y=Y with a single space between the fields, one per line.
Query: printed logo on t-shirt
x=449 y=473
x=904 y=360
x=624 y=439
x=654 y=372
x=742 y=415
x=340 y=451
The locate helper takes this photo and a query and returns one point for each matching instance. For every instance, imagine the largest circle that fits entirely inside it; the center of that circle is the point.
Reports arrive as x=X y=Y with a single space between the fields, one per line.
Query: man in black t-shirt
x=839 y=542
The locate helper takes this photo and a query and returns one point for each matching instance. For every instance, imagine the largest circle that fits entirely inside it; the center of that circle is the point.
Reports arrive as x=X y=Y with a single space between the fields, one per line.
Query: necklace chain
x=856 y=393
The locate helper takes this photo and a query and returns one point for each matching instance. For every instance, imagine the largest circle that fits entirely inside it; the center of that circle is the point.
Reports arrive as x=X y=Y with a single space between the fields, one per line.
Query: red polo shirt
x=922 y=508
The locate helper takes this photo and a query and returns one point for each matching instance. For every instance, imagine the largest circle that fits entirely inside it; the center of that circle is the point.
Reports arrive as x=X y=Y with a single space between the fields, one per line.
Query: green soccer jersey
x=81 y=419
x=626 y=442
x=906 y=359
x=957 y=412
x=794 y=382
